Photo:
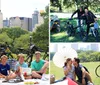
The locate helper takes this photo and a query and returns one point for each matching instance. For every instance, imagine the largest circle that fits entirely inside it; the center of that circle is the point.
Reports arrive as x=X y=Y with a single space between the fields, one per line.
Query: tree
x=22 y=42
x=41 y=35
x=5 y=38
x=57 y=3
x=93 y=4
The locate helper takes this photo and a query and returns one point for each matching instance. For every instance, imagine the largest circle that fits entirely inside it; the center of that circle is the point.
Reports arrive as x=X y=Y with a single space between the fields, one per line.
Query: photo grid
x=49 y=42
x=74 y=42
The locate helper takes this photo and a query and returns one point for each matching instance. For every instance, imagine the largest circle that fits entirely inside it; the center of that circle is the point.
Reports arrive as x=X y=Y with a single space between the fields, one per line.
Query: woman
x=69 y=69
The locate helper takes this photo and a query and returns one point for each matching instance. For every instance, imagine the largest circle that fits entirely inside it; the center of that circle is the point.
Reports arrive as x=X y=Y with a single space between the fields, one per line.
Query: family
x=38 y=66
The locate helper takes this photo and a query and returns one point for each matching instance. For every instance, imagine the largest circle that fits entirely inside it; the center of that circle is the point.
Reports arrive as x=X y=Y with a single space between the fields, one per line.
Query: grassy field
x=62 y=36
x=58 y=72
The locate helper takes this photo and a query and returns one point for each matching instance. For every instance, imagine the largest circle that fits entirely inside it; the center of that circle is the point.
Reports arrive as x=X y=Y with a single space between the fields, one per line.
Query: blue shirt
x=23 y=65
x=96 y=25
x=4 y=69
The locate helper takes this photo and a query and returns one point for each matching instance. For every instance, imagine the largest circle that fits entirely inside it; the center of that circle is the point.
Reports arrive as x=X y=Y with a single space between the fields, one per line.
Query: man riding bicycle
x=80 y=12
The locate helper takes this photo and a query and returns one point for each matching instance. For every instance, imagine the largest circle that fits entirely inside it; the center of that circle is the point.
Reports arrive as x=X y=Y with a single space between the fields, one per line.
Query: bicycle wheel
x=97 y=71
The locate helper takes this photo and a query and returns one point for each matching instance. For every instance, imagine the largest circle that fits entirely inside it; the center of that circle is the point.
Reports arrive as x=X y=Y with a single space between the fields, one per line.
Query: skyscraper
x=35 y=18
x=1 y=17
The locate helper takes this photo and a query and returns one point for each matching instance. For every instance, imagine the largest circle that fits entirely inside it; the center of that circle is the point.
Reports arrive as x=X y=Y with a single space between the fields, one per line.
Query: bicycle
x=97 y=71
x=72 y=29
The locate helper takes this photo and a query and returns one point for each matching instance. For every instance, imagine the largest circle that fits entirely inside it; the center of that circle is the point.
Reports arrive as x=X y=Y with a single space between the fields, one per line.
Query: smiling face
x=38 y=55
x=21 y=59
x=4 y=60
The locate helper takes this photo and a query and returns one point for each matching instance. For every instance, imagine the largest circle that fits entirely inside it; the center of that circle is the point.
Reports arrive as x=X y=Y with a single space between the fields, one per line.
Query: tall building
x=22 y=22
x=95 y=47
x=37 y=19
x=5 y=23
x=1 y=17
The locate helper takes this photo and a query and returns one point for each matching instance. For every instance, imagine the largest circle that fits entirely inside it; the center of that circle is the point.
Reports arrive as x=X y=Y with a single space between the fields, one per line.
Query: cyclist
x=89 y=18
x=80 y=12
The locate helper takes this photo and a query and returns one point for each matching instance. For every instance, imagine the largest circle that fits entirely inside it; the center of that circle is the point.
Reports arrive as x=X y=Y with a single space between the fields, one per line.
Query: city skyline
x=54 y=47
x=12 y=8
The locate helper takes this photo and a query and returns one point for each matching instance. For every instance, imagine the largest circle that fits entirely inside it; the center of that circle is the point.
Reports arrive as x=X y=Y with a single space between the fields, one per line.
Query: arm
x=45 y=66
x=66 y=71
x=83 y=76
x=74 y=76
x=2 y=76
x=93 y=15
x=74 y=13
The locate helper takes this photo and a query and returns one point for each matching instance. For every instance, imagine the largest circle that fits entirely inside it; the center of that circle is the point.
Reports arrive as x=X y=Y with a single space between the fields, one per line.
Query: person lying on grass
x=38 y=66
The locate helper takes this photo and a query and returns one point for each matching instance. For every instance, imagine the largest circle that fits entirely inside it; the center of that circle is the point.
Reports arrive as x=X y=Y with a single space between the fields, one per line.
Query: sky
x=22 y=8
x=54 y=45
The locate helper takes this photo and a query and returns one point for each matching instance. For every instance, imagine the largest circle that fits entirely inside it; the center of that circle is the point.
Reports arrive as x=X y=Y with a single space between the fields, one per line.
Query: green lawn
x=58 y=72
x=62 y=36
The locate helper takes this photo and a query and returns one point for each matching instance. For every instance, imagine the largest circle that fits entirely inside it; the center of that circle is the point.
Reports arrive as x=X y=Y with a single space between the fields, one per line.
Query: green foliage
x=73 y=4
x=22 y=42
x=16 y=32
x=40 y=36
x=5 y=38
x=85 y=56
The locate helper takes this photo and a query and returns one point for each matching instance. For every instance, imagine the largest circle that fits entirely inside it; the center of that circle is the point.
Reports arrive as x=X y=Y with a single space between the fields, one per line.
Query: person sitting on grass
x=4 y=67
x=69 y=70
x=38 y=66
x=20 y=64
x=82 y=73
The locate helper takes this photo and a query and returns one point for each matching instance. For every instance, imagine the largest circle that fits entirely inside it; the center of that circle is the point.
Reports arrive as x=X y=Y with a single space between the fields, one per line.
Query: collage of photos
x=74 y=42
x=49 y=42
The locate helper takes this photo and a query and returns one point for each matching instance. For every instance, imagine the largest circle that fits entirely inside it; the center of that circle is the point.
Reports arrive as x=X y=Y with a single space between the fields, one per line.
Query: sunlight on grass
x=59 y=34
x=71 y=38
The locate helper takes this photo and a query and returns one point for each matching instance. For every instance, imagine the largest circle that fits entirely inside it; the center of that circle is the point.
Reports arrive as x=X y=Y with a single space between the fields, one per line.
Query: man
x=38 y=66
x=89 y=18
x=81 y=73
x=80 y=13
x=4 y=67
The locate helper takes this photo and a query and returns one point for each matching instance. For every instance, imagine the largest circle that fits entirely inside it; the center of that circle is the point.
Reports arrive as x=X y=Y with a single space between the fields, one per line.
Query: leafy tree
x=57 y=3
x=5 y=38
x=41 y=34
x=22 y=42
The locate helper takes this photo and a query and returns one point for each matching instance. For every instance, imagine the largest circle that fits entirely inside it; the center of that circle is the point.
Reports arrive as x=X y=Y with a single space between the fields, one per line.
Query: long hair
x=68 y=59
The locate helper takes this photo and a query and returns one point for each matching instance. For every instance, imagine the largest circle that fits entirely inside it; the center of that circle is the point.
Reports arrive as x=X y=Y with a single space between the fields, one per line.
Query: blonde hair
x=37 y=52
x=21 y=55
x=4 y=56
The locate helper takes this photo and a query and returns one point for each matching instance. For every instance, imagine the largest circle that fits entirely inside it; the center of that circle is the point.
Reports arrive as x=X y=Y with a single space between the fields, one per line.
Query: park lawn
x=62 y=36
x=58 y=72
